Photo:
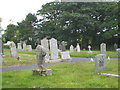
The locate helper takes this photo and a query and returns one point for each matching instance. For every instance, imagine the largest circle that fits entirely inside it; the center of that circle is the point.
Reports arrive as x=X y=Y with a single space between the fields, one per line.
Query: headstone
x=115 y=46
x=89 y=47
x=19 y=47
x=78 y=47
x=29 y=48
x=45 y=44
x=71 y=48
x=1 y=59
x=63 y=47
x=100 y=62
x=65 y=56
x=103 y=48
x=1 y=47
x=53 y=49
x=13 y=50
x=24 y=46
x=42 y=71
x=118 y=51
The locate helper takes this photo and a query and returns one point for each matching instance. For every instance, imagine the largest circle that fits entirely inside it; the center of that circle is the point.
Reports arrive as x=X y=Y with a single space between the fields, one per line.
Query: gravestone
x=115 y=46
x=1 y=47
x=19 y=47
x=118 y=51
x=53 y=49
x=13 y=50
x=29 y=48
x=103 y=48
x=63 y=47
x=65 y=56
x=89 y=47
x=41 y=71
x=24 y=46
x=100 y=62
x=78 y=47
x=45 y=44
x=71 y=48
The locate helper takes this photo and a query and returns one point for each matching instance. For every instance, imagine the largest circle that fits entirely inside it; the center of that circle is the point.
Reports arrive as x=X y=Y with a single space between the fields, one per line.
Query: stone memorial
x=24 y=46
x=118 y=51
x=19 y=47
x=45 y=44
x=63 y=47
x=89 y=47
x=78 y=47
x=100 y=62
x=29 y=48
x=65 y=56
x=41 y=71
x=115 y=46
x=13 y=50
x=1 y=53
x=103 y=48
x=53 y=49
x=71 y=48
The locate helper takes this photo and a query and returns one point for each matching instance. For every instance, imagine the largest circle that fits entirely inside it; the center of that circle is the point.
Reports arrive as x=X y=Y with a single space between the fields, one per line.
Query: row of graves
x=48 y=52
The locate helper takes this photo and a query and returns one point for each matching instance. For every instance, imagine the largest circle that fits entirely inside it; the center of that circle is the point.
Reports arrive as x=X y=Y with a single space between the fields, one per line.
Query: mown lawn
x=76 y=75
x=30 y=57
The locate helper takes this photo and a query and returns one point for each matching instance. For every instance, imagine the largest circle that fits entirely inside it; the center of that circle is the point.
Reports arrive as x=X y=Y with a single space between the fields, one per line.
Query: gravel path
x=32 y=66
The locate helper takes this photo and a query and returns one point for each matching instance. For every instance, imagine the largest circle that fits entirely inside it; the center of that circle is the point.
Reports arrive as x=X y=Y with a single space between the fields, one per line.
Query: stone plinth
x=47 y=72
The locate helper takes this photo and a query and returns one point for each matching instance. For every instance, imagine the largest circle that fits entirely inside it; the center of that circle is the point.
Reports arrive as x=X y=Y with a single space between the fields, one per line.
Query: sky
x=13 y=11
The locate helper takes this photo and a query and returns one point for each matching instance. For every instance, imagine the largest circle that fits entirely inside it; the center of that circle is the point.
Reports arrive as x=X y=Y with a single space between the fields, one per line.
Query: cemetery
x=45 y=58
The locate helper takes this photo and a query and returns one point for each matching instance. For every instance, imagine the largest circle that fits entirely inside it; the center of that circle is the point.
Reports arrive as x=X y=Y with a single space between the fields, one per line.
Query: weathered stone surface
x=118 y=51
x=24 y=46
x=89 y=47
x=71 y=48
x=103 y=48
x=65 y=56
x=1 y=59
x=19 y=47
x=78 y=47
x=29 y=48
x=45 y=44
x=53 y=49
x=1 y=47
x=100 y=62
x=47 y=72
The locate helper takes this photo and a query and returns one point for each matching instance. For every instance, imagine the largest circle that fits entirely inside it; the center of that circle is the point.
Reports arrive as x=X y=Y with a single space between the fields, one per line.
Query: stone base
x=47 y=72
x=67 y=60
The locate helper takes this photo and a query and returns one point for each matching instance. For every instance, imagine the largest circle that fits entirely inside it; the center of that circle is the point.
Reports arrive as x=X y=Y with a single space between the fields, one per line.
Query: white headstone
x=45 y=44
x=78 y=47
x=24 y=46
x=100 y=62
x=29 y=48
x=103 y=48
x=19 y=47
x=53 y=49
x=118 y=51
x=89 y=47
x=65 y=55
x=71 y=48
x=13 y=50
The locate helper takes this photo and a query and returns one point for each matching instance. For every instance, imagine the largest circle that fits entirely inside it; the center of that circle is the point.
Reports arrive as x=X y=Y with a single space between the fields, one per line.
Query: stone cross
x=78 y=47
x=103 y=48
x=71 y=48
x=100 y=62
x=19 y=47
x=53 y=49
x=29 y=48
x=45 y=44
x=89 y=47
x=40 y=51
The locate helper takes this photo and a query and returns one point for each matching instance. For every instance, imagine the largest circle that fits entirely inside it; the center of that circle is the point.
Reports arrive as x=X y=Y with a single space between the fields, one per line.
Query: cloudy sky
x=16 y=10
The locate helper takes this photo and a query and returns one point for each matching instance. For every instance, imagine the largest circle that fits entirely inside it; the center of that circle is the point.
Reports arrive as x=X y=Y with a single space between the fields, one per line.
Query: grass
x=30 y=57
x=76 y=75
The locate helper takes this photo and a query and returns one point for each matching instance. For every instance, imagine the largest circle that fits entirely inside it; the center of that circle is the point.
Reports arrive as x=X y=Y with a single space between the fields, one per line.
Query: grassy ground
x=30 y=57
x=76 y=75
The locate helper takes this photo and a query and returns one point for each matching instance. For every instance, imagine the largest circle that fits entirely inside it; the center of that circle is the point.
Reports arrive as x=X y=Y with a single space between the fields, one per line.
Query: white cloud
x=16 y=10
